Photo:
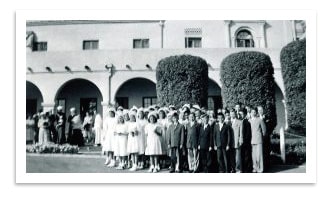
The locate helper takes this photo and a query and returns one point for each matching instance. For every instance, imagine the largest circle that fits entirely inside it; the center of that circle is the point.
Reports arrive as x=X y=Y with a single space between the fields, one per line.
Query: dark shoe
x=171 y=171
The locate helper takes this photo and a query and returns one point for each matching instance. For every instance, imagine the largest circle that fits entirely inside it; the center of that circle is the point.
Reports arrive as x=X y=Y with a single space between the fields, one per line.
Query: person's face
x=181 y=116
x=111 y=114
x=220 y=118
x=192 y=117
x=161 y=115
x=206 y=119
x=170 y=118
x=141 y=115
x=227 y=116
x=174 y=119
x=151 y=119
x=232 y=114
x=260 y=111
x=253 y=113
x=197 y=113
x=126 y=117
x=241 y=115
x=132 y=118
x=72 y=112
x=121 y=119
x=237 y=107
x=186 y=115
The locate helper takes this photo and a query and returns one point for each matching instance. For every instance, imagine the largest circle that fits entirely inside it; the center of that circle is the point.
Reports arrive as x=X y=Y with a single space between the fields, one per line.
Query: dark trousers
x=77 y=137
x=222 y=160
x=203 y=160
x=61 y=135
x=175 y=158
x=246 y=157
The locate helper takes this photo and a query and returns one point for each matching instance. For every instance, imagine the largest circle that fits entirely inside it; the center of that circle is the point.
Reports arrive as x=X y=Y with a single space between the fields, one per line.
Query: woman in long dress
x=133 y=146
x=154 y=147
x=109 y=138
x=163 y=122
x=141 y=123
x=30 y=128
x=121 y=133
x=44 y=132
x=98 y=129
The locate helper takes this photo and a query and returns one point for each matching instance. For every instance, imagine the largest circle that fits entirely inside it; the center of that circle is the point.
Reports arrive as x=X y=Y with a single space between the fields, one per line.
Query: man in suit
x=258 y=131
x=204 y=143
x=175 y=142
x=236 y=142
x=221 y=142
x=266 y=139
x=60 y=126
x=246 y=146
x=192 y=130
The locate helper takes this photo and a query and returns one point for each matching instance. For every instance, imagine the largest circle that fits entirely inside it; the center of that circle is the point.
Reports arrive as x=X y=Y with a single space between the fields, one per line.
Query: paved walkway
x=93 y=162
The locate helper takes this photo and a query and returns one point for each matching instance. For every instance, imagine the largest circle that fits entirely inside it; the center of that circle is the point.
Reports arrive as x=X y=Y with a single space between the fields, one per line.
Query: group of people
x=57 y=128
x=188 y=139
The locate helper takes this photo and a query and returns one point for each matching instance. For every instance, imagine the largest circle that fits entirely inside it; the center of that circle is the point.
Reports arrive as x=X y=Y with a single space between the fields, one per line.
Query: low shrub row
x=52 y=148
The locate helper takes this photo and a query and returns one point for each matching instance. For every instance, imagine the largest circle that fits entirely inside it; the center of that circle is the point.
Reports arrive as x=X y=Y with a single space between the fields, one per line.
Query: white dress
x=121 y=140
x=108 y=134
x=141 y=135
x=154 y=146
x=132 y=146
x=98 y=128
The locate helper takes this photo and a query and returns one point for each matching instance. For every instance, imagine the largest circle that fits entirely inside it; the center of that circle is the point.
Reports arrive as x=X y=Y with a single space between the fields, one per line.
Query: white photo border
x=309 y=15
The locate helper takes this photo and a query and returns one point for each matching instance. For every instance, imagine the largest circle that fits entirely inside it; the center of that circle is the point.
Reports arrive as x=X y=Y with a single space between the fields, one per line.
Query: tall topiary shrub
x=247 y=77
x=182 y=79
x=293 y=62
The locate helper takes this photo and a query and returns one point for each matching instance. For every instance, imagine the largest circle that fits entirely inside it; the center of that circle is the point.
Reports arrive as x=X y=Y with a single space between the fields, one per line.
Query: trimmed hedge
x=182 y=79
x=52 y=148
x=247 y=78
x=293 y=62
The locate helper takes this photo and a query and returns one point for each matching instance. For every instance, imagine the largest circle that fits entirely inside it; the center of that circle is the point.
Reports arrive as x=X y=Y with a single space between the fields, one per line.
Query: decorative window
x=40 y=46
x=193 y=42
x=148 y=101
x=90 y=44
x=193 y=31
x=140 y=43
x=244 y=39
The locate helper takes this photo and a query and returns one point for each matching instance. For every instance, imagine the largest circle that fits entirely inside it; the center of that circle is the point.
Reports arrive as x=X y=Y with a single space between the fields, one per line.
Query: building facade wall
x=116 y=62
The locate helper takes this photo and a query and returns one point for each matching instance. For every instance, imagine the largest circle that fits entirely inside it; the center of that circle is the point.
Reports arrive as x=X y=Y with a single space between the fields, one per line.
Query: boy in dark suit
x=192 y=130
x=221 y=142
x=204 y=143
x=175 y=142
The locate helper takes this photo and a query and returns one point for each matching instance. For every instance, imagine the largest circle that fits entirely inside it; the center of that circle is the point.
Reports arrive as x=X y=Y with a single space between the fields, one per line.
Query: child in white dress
x=154 y=146
x=121 y=133
x=141 y=123
x=109 y=138
x=133 y=146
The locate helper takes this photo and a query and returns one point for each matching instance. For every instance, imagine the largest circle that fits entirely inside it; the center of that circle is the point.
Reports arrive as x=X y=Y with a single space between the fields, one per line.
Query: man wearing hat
x=60 y=119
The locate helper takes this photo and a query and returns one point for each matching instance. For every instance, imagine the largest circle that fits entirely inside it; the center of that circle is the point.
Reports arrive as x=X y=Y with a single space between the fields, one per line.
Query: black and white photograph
x=186 y=98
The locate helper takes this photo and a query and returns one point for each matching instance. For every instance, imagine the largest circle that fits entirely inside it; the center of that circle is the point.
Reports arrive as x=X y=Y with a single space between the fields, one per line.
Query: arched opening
x=140 y=92
x=81 y=94
x=244 y=38
x=34 y=99
x=280 y=110
x=214 y=100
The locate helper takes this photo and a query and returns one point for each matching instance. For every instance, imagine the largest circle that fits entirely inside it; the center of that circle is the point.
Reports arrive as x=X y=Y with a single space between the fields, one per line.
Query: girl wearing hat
x=162 y=121
x=121 y=133
x=154 y=146
x=132 y=146
x=141 y=123
x=109 y=137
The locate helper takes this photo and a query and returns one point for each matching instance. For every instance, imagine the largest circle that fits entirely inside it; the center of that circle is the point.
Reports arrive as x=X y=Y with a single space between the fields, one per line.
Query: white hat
x=120 y=108
x=111 y=109
x=171 y=106
x=125 y=111
x=196 y=107
x=132 y=113
x=59 y=108
x=153 y=113
x=134 y=108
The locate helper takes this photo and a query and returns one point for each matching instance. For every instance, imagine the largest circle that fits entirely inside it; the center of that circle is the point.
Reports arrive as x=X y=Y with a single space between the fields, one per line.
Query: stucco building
x=97 y=63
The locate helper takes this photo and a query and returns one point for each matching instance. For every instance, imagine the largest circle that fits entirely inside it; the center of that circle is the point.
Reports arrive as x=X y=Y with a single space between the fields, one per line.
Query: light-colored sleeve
x=241 y=133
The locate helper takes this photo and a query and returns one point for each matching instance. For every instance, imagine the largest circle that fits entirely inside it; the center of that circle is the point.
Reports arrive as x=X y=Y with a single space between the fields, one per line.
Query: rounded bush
x=293 y=63
x=182 y=79
x=247 y=78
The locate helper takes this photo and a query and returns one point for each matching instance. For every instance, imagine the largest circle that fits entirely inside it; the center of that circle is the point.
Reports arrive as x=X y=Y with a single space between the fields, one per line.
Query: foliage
x=293 y=62
x=52 y=148
x=247 y=78
x=182 y=79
